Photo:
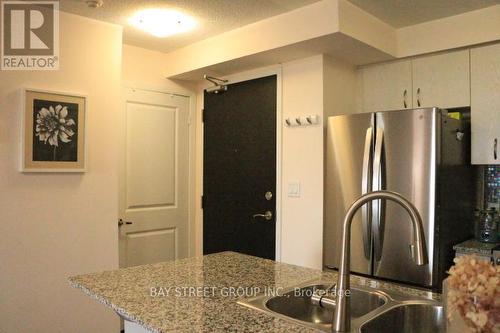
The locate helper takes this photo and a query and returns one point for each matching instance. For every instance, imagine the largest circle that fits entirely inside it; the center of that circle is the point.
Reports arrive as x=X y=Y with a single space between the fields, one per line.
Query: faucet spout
x=341 y=314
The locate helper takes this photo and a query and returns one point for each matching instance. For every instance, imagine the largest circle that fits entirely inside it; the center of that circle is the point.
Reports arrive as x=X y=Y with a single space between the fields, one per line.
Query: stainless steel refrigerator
x=422 y=154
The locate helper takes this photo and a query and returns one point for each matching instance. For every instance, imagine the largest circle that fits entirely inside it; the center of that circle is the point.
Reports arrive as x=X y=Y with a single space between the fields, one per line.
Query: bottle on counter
x=486 y=225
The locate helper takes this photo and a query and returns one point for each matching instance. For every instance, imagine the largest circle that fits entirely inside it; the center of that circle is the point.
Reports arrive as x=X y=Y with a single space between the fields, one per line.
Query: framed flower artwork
x=53 y=134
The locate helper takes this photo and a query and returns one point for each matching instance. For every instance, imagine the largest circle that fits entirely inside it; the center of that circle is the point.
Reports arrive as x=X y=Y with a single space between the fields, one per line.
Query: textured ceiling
x=402 y=13
x=213 y=16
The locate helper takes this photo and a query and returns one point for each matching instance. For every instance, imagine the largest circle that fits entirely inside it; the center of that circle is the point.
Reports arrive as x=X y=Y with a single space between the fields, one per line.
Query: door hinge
x=202 y=202
x=202 y=115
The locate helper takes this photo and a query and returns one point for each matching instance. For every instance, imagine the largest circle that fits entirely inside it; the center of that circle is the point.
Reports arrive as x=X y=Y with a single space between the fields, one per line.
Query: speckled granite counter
x=200 y=294
x=473 y=246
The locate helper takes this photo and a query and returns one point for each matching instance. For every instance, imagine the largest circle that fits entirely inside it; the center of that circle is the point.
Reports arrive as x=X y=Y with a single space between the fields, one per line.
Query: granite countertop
x=199 y=294
x=475 y=246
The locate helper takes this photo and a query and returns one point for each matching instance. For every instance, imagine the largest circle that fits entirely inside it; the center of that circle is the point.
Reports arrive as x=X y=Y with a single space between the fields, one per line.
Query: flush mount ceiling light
x=162 y=22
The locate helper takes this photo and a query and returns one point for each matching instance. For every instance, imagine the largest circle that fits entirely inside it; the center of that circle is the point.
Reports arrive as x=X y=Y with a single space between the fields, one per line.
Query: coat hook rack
x=302 y=121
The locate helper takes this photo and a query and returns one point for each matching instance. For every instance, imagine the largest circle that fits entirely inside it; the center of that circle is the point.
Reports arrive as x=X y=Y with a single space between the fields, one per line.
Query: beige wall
x=318 y=85
x=340 y=84
x=280 y=30
x=56 y=225
x=340 y=29
x=142 y=68
x=302 y=218
x=467 y=29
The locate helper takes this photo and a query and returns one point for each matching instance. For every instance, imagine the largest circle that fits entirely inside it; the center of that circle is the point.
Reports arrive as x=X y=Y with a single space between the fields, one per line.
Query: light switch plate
x=294 y=189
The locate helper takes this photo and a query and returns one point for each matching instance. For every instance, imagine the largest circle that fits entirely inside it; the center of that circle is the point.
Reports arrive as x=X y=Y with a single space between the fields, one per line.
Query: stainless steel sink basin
x=372 y=310
x=408 y=318
x=297 y=304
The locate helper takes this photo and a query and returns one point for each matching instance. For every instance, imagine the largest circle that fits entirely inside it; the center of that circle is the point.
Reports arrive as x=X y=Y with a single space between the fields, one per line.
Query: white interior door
x=154 y=178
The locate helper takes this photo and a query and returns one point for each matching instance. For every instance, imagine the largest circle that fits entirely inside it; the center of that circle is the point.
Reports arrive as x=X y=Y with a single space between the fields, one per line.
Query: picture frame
x=53 y=134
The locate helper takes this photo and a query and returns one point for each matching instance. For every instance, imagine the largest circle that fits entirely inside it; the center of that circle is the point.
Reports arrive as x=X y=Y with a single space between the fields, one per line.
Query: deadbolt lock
x=268 y=195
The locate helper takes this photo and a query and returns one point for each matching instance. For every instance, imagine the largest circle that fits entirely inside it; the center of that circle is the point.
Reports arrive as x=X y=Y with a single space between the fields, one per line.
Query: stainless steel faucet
x=341 y=314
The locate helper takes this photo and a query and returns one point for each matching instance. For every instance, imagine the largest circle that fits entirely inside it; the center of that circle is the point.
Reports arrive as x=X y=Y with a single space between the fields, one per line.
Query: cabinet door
x=485 y=104
x=442 y=80
x=387 y=86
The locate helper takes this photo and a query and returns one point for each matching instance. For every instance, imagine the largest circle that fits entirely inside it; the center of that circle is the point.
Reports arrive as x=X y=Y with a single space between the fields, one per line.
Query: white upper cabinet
x=441 y=80
x=485 y=104
x=387 y=86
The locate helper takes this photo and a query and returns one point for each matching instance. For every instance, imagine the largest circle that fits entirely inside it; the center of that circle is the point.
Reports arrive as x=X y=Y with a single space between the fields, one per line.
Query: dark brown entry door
x=239 y=169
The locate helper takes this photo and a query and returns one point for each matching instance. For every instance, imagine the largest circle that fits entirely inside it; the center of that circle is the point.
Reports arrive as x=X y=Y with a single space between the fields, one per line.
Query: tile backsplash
x=492 y=185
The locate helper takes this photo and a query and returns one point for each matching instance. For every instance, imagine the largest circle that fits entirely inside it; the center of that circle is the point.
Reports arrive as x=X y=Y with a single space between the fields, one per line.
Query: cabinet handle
x=495 y=144
x=418 y=97
x=405 y=93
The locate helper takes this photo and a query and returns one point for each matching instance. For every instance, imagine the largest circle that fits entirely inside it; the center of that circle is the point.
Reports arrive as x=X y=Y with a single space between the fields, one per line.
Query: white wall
x=340 y=29
x=142 y=68
x=467 y=29
x=56 y=225
x=285 y=29
x=340 y=84
x=318 y=85
x=302 y=218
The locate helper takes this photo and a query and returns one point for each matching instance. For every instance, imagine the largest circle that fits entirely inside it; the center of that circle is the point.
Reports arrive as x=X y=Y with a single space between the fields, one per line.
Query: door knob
x=268 y=215
x=121 y=222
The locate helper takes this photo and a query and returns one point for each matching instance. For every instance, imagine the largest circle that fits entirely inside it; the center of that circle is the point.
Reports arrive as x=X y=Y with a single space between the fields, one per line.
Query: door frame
x=191 y=158
x=235 y=78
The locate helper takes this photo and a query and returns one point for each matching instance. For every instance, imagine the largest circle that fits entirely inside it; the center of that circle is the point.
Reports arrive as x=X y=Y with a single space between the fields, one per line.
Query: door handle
x=378 y=206
x=418 y=97
x=268 y=215
x=405 y=93
x=365 y=188
x=121 y=222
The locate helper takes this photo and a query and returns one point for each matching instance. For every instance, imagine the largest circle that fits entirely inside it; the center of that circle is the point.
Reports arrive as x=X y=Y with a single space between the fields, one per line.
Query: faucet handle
x=417 y=254
x=411 y=247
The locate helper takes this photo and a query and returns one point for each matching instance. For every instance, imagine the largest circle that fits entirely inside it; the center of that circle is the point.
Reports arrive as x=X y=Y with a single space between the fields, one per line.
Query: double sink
x=372 y=310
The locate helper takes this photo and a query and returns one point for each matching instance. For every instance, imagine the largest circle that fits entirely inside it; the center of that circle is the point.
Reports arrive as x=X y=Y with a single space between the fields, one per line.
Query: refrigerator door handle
x=365 y=188
x=378 y=206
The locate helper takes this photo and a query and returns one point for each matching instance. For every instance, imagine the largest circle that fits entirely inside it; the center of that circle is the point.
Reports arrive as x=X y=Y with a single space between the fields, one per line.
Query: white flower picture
x=53 y=126
x=54 y=136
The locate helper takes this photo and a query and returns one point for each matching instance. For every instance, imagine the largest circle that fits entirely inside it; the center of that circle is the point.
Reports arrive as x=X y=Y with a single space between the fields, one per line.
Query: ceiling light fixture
x=162 y=22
